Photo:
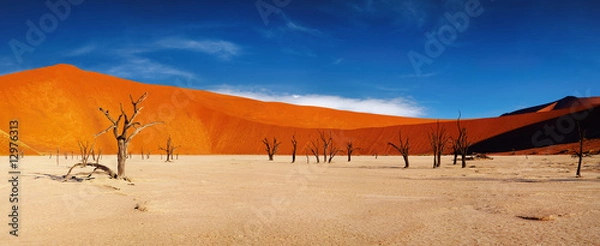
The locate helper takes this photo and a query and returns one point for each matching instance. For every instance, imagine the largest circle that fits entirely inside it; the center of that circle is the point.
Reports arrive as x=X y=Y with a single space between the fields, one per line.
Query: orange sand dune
x=58 y=105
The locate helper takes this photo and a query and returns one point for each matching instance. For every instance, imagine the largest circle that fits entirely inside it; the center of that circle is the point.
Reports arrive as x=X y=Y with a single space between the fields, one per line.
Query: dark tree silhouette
x=581 y=134
x=124 y=128
x=403 y=148
x=314 y=148
x=326 y=142
x=294 y=148
x=271 y=148
x=333 y=150
x=169 y=149
x=350 y=149
x=455 y=150
x=438 y=138
x=461 y=143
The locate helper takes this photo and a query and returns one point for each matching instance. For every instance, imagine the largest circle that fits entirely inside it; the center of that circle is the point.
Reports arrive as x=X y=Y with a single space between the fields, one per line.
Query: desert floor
x=240 y=200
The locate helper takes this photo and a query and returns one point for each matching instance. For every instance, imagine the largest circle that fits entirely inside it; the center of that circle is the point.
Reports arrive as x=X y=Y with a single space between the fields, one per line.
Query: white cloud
x=83 y=50
x=337 y=61
x=394 y=106
x=220 y=48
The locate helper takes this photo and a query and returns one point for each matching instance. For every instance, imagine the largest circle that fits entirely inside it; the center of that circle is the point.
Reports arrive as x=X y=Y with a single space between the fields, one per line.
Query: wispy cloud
x=337 y=61
x=219 y=48
x=144 y=68
x=299 y=28
x=8 y=65
x=412 y=75
x=83 y=50
x=394 y=106
x=306 y=53
x=367 y=6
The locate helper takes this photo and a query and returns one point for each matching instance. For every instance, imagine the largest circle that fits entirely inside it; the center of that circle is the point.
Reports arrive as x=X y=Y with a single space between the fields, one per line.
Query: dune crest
x=58 y=105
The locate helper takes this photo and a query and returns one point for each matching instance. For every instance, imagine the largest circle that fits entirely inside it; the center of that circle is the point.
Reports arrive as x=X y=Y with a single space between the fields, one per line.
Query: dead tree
x=579 y=153
x=326 y=142
x=350 y=149
x=455 y=149
x=86 y=151
x=462 y=143
x=314 y=148
x=271 y=148
x=169 y=149
x=294 y=147
x=96 y=157
x=402 y=148
x=333 y=150
x=438 y=139
x=307 y=159
x=434 y=145
x=124 y=128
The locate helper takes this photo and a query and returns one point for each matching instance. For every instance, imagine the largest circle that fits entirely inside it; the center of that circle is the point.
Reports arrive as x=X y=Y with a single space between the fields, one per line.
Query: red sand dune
x=58 y=105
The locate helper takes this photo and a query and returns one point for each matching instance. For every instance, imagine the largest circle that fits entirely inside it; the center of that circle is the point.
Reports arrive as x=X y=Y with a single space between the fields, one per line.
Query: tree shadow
x=369 y=167
x=61 y=178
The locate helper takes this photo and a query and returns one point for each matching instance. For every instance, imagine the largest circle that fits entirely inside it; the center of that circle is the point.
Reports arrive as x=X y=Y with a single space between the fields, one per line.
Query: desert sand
x=247 y=200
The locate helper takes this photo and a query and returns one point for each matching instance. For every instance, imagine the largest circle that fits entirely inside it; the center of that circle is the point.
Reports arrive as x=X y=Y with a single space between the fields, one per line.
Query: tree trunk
x=121 y=157
x=439 y=159
x=435 y=160
x=349 y=156
x=270 y=157
x=405 y=161
x=455 y=156
x=578 y=175
x=464 y=160
x=294 y=154
x=580 y=154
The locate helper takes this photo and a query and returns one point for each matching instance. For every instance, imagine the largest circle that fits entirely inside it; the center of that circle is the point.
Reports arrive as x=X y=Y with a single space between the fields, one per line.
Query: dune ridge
x=58 y=106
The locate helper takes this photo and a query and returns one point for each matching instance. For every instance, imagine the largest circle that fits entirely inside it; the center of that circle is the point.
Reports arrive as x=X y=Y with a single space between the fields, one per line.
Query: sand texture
x=246 y=200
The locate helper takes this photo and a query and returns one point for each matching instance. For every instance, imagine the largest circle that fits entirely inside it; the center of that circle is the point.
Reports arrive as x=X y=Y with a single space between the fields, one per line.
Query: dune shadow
x=524 y=138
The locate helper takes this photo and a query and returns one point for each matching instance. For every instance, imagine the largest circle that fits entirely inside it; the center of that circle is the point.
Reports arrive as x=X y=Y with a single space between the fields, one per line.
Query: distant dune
x=58 y=105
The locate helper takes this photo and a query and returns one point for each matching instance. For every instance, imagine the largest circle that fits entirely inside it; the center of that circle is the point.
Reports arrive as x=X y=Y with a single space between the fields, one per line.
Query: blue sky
x=353 y=55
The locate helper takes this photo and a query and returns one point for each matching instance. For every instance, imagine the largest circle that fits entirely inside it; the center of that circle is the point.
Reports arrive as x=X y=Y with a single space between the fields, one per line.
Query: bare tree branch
x=139 y=129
